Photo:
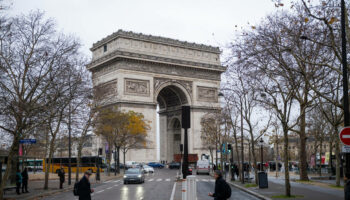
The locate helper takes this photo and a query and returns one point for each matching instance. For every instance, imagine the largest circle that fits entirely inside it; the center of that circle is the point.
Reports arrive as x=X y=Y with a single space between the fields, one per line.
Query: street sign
x=345 y=149
x=344 y=135
x=27 y=141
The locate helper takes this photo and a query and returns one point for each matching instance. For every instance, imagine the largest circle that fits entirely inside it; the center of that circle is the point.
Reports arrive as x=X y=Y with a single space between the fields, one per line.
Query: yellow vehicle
x=87 y=163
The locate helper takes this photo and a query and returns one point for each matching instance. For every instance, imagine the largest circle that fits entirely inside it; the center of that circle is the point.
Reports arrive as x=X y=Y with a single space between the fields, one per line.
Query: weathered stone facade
x=145 y=71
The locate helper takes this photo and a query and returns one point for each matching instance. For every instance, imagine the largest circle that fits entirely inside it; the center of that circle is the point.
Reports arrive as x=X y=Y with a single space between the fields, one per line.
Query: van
x=203 y=167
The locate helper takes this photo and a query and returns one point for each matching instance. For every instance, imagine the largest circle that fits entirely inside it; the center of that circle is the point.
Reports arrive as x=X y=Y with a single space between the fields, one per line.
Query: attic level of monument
x=154 y=39
x=129 y=45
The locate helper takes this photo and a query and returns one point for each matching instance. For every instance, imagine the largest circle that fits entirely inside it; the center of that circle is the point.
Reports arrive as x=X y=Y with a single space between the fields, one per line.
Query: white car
x=148 y=169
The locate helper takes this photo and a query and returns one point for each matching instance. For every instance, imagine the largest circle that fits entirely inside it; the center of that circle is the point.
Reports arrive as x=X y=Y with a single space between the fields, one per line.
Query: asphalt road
x=157 y=186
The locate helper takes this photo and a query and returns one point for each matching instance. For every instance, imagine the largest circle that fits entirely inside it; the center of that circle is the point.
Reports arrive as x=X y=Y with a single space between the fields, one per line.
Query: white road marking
x=197 y=180
x=159 y=179
x=151 y=179
x=168 y=179
x=116 y=185
x=205 y=180
x=173 y=192
x=108 y=181
x=116 y=181
x=109 y=188
x=100 y=191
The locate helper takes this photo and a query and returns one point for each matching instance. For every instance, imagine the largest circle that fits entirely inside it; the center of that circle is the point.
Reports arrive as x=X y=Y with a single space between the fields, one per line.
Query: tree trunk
x=48 y=164
x=237 y=151
x=330 y=156
x=118 y=160
x=254 y=160
x=12 y=154
x=302 y=148
x=80 y=147
x=286 y=159
x=337 y=157
x=124 y=152
x=211 y=155
x=320 y=167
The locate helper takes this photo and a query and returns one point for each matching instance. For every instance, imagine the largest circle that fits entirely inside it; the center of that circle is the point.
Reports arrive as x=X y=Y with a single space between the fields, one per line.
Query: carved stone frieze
x=107 y=89
x=158 y=68
x=207 y=94
x=137 y=87
x=158 y=82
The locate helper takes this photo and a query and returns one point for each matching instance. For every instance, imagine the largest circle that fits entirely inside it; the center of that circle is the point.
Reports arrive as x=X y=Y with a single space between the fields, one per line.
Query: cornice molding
x=131 y=55
x=154 y=39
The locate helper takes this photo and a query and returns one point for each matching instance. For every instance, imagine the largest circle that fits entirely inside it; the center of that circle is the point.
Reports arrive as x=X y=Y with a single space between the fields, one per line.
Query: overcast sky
x=202 y=21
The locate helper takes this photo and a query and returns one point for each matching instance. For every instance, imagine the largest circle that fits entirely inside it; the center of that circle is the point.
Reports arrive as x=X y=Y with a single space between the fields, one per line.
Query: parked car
x=148 y=169
x=203 y=167
x=174 y=165
x=134 y=175
x=155 y=165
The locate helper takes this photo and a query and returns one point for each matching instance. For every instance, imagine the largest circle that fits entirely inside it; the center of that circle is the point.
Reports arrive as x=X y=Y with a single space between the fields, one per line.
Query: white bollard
x=184 y=189
x=191 y=188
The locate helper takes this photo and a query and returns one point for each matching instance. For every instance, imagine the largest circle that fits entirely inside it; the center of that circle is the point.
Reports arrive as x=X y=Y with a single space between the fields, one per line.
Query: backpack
x=227 y=190
x=76 y=188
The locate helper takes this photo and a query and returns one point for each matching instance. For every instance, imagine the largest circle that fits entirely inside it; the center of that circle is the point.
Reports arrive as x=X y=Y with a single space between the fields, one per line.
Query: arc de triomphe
x=144 y=72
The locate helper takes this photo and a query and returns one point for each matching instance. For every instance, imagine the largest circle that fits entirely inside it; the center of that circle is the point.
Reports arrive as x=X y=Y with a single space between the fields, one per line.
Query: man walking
x=25 y=180
x=84 y=187
x=18 y=181
x=222 y=189
x=61 y=174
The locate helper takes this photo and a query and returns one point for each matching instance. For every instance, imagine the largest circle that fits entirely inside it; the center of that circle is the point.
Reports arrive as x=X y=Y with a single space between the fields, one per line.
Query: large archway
x=170 y=98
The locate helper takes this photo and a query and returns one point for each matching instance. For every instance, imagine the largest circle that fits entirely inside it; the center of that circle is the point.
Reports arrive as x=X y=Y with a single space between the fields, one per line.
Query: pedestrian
x=25 y=180
x=84 y=188
x=237 y=171
x=61 y=174
x=347 y=186
x=214 y=167
x=222 y=189
x=18 y=181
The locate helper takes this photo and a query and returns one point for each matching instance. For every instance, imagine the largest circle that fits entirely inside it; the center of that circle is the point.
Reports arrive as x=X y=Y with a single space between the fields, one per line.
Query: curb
x=250 y=192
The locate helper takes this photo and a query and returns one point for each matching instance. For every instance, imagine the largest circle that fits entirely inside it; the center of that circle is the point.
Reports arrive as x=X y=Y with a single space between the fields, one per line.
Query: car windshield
x=132 y=171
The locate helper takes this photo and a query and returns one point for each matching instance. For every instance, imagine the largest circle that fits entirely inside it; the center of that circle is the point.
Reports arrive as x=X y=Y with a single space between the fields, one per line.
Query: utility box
x=263 y=182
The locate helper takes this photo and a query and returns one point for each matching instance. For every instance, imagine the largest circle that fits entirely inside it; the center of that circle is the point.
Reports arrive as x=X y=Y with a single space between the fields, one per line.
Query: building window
x=105 y=48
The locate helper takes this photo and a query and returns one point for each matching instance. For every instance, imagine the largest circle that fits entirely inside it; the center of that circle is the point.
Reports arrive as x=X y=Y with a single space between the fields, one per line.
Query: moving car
x=134 y=175
x=174 y=165
x=148 y=169
x=203 y=167
x=155 y=165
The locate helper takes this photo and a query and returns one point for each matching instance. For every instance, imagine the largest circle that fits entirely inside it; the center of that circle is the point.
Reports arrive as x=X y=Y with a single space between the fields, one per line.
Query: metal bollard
x=191 y=188
x=184 y=189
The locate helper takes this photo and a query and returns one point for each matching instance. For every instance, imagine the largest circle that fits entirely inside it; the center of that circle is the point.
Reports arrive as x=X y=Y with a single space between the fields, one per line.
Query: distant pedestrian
x=347 y=186
x=18 y=181
x=237 y=171
x=84 y=187
x=61 y=174
x=222 y=189
x=214 y=167
x=25 y=180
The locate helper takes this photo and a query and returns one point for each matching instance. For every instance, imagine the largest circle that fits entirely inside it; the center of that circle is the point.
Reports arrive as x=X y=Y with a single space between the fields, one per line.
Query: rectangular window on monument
x=105 y=48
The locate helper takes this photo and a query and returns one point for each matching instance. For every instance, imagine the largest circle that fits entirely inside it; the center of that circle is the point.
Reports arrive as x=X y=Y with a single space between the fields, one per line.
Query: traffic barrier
x=184 y=189
x=191 y=188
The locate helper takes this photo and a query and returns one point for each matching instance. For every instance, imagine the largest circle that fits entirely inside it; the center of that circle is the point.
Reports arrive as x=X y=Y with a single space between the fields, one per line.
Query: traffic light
x=229 y=148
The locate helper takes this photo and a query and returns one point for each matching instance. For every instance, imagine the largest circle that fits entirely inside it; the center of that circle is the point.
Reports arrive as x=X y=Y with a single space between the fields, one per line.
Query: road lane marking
x=116 y=185
x=100 y=191
x=168 y=179
x=116 y=181
x=109 y=188
x=108 y=181
x=151 y=179
x=159 y=179
x=173 y=192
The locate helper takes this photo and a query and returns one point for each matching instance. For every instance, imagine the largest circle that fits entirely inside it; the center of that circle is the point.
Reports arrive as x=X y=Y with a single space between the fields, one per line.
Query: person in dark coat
x=18 y=181
x=237 y=171
x=222 y=189
x=25 y=180
x=61 y=174
x=84 y=188
x=347 y=186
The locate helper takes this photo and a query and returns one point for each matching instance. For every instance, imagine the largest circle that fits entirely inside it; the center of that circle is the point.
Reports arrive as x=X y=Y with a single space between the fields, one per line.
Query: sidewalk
x=36 y=191
x=302 y=190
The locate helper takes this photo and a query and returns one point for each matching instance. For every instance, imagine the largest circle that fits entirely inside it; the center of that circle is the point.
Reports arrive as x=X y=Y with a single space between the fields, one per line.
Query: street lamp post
x=261 y=154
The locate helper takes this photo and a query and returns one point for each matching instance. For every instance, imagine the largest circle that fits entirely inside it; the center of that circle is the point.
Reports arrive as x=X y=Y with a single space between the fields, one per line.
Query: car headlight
x=125 y=176
x=139 y=176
